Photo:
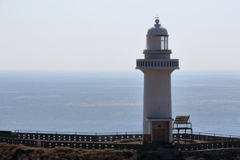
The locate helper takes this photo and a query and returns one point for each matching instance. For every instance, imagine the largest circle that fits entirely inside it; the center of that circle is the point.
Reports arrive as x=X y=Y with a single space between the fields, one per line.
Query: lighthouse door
x=159 y=135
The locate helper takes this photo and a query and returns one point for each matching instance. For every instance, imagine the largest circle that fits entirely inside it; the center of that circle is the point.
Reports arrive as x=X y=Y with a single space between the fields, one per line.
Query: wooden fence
x=75 y=137
x=75 y=144
x=202 y=137
x=51 y=140
x=204 y=146
x=209 y=142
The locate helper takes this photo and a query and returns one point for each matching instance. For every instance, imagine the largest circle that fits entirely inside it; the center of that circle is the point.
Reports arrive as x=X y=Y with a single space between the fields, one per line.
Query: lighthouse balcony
x=149 y=51
x=157 y=64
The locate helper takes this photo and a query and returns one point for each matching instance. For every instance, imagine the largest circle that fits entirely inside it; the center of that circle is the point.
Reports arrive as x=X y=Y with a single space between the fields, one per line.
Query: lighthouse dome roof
x=158 y=29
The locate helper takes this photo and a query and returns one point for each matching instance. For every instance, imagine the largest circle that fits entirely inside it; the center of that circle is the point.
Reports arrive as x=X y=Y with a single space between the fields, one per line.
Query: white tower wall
x=157 y=101
x=157 y=93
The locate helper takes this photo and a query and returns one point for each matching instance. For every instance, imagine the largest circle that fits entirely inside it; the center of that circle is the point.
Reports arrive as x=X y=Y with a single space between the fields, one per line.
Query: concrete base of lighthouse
x=159 y=130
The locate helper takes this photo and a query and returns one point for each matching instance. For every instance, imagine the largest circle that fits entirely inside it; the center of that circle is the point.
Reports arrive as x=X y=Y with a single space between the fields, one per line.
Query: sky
x=111 y=34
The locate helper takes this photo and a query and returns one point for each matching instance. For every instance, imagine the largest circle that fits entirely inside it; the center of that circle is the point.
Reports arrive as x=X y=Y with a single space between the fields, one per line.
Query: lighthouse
x=157 y=67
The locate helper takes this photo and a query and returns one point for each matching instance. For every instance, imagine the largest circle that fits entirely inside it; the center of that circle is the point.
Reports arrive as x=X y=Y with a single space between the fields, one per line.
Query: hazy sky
x=111 y=34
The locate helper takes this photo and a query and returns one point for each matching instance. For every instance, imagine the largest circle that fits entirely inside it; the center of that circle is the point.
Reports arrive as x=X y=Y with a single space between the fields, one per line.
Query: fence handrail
x=210 y=134
x=76 y=133
x=76 y=144
x=207 y=146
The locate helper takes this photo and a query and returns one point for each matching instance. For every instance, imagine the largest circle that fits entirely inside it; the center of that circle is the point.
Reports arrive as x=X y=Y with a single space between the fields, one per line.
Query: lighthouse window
x=164 y=42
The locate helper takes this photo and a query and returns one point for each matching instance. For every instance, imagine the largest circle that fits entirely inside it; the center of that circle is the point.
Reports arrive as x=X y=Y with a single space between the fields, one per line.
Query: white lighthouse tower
x=157 y=68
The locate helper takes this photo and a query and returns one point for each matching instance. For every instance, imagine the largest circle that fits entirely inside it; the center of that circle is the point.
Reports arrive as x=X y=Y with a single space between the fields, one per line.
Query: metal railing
x=207 y=146
x=157 y=63
x=205 y=136
x=78 y=136
x=85 y=145
x=77 y=133
x=115 y=140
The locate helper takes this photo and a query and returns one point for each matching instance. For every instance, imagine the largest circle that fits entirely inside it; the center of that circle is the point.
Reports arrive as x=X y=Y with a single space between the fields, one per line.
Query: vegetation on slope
x=21 y=152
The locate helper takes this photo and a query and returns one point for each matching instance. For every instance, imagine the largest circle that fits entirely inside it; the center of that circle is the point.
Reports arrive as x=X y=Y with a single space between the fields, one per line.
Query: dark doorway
x=159 y=135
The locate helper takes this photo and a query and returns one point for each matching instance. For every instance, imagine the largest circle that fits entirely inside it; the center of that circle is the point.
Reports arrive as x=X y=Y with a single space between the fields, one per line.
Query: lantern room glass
x=164 y=42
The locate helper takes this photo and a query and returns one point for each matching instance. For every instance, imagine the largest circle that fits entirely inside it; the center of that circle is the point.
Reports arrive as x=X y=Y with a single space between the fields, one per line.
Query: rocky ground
x=21 y=152
x=221 y=154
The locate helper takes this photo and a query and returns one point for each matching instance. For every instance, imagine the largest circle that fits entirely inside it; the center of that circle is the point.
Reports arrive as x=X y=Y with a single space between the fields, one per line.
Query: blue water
x=111 y=101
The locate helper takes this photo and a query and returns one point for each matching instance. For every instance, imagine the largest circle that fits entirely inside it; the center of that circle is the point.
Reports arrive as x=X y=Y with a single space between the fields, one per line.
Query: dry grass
x=214 y=155
x=21 y=152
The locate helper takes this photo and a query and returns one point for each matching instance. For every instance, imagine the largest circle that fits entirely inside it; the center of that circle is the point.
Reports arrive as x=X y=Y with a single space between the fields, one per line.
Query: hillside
x=21 y=152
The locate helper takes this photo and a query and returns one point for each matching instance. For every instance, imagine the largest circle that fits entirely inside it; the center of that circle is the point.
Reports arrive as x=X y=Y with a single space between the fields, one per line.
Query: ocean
x=111 y=101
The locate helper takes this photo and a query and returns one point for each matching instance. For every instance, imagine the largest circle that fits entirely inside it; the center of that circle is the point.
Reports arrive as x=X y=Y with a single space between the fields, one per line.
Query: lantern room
x=157 y=37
